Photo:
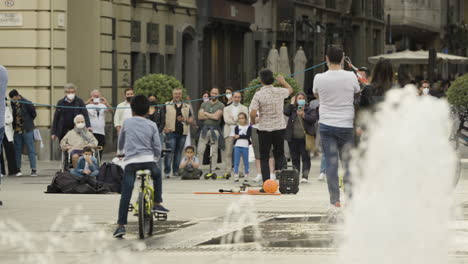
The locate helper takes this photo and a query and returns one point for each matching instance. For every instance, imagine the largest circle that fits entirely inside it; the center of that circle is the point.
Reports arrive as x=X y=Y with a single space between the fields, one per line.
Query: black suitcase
x=289 y=181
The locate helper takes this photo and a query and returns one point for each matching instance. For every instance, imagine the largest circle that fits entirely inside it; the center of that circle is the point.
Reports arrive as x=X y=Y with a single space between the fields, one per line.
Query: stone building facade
x=96 y=44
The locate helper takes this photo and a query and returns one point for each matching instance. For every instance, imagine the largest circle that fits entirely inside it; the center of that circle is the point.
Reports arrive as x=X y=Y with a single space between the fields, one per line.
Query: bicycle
x=143 y=207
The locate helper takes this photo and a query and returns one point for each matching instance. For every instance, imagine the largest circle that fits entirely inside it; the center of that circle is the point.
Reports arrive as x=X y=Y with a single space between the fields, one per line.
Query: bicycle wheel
x=148 y=214
x=141 y=215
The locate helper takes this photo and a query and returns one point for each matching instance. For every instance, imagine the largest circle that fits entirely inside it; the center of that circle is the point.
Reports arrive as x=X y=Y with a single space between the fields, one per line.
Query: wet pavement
x=64 y=228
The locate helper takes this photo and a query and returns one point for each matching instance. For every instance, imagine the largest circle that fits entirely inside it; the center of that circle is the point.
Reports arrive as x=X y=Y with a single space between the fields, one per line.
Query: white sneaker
x=2 y=175
x=273 y=177
x=304 y=180
x=258 y=178
x=322 y=176
x=236 y=178
x=19 y=174
x=168 y=176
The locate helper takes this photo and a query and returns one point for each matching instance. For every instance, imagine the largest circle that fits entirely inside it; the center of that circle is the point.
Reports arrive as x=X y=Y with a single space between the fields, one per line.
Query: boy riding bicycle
x=139 y=141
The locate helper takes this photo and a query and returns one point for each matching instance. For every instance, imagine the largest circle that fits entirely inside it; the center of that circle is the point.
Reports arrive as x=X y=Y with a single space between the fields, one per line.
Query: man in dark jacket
x=24 y=114
x=63 y=117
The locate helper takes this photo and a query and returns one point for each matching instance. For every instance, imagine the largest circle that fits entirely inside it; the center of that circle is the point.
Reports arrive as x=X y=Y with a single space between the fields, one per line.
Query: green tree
x=160 y=85
x=249 y=94
x=457 y=94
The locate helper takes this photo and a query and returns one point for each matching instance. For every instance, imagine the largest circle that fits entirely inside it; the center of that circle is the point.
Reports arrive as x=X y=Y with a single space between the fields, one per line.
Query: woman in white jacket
x=8 y=144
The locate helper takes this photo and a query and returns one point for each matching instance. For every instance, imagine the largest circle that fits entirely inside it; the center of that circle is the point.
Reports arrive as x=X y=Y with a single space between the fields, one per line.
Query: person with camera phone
x=97 y=107
x=300 y=133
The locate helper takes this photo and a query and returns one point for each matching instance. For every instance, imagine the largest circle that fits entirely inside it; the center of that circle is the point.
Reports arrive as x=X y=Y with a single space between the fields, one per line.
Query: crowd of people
x=222 y=127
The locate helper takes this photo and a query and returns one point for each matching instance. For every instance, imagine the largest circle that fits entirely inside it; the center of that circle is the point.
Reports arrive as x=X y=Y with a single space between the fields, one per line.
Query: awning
x=417 y=57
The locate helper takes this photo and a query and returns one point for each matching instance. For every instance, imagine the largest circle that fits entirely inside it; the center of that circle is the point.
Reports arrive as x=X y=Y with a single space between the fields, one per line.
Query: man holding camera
x=97 y=107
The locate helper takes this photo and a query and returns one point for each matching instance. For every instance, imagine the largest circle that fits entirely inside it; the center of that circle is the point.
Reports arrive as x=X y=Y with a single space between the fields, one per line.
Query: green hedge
x=159 y=84
x=249 y=94
x=457 y=94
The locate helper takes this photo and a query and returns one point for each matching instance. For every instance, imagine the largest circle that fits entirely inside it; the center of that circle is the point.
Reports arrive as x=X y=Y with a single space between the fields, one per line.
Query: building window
x=331 y=4
x=152 y=33
x=170 y=64
x=136 y=31
x=169 y=35
x=156 y=63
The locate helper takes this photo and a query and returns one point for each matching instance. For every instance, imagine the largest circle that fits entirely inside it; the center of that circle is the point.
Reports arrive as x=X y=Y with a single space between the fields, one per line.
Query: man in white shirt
x=97 y=107
x=335 y=90
x=123 y=111
x=230 y=116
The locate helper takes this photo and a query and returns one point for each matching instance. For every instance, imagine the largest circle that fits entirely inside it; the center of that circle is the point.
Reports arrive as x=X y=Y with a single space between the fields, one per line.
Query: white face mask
x=71 y=96
x=206 y=99
x=80 y=125
x=228 y=96
x=426 y=91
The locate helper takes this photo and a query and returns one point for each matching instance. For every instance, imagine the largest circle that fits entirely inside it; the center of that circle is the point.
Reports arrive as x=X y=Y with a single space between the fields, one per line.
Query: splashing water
x=402 y=200
x=241 y=214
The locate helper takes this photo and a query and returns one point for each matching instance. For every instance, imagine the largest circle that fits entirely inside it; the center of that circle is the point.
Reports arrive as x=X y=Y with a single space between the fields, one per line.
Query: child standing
x=242 y=134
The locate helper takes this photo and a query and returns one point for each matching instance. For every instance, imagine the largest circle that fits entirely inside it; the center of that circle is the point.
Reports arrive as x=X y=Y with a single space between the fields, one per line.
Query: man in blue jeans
x=335 y=90
x=139 y=141
x=24 y=114
x=178 y=120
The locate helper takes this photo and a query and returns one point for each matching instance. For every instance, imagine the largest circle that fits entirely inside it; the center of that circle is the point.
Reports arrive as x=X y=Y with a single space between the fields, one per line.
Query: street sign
x=11 y=19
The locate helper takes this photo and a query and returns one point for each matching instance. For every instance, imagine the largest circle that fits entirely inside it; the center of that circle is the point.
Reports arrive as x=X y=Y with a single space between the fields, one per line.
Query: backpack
x=110 y=175
x=65 y=182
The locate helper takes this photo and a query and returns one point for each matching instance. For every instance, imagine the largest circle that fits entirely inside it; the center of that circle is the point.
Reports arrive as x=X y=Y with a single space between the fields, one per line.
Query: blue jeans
x=336 y=143
x=175 y=143
x=323 y=164
x=75 y=172
x=128 y=182
x=28 y=139
x=238 y=153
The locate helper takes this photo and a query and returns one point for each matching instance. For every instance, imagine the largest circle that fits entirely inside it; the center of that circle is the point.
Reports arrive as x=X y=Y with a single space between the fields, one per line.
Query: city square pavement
x=68 y=228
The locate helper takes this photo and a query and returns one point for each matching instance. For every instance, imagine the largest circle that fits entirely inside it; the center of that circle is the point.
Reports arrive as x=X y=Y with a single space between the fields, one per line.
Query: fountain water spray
x=403 y=184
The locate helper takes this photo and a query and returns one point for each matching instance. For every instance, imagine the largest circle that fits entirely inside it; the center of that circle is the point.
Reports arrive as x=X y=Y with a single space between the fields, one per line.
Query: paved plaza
x=67 y=228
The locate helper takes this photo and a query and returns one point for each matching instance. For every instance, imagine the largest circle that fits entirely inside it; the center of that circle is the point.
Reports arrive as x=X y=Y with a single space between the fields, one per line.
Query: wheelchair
x=66 y=164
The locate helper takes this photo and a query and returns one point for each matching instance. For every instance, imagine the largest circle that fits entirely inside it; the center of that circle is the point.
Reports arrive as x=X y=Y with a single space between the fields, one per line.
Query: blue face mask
x=301 y=102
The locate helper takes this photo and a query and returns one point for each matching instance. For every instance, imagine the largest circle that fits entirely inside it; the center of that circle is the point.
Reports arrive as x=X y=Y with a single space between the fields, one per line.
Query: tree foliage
x=160 y=85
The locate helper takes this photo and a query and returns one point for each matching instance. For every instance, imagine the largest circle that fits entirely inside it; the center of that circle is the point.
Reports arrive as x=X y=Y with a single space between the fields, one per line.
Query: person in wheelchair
x=87 y=164
x=139 y=141
x=76 y=139
x=189 y=166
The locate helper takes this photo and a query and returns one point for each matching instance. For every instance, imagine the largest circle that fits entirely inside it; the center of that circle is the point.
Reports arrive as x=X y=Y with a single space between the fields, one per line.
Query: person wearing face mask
x=302 y=119
x=424 y=88
x=78 y=138
x=230 y=116
x=23 y=127
x=228 y=97
x=123 y=111
x=87 y=164
x=97 y=107
x=68 y=108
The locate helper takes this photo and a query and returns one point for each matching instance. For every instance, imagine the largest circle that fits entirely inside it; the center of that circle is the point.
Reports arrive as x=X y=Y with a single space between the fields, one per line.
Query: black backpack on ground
x=64 y=182
x=289 y=181
x=110 y=176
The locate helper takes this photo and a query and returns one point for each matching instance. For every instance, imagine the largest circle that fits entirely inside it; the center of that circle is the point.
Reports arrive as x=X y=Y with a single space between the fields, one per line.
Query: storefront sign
x=235 y=11
x=11 y=19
